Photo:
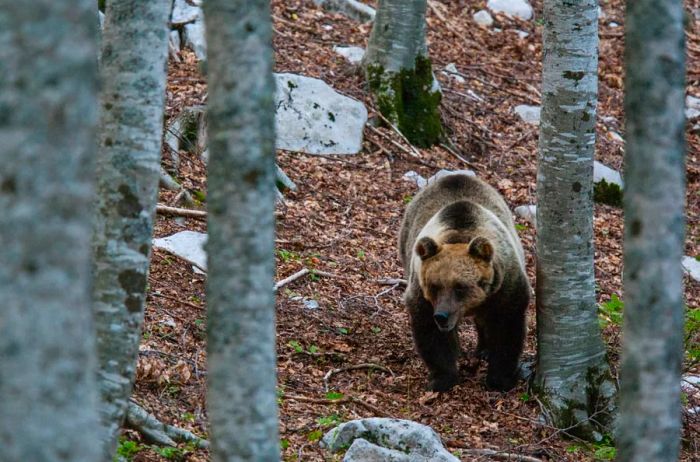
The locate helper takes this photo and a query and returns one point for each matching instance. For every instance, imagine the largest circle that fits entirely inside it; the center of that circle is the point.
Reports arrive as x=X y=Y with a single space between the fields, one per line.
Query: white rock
x=616 y=137
x=188 y=245
x=184 y=13
x=352 y=54
x=452 y=72
x=311 y=304
x=692 y=107
x=444 y=172
x=522 y=34
x=194 y=38
x=603 y=172
x=351 y=8
x=528 y=114
x=517 y=8
x=414 y=177
x=527 y=212
x=608 y=119
x=401 y=441
x=483 y=18
x=313 y=118
x=692 y=267
x=690 y=384
x=614 y=25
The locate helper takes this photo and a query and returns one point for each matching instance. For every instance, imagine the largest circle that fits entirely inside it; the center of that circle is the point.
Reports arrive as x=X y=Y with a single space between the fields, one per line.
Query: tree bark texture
x=241 y=196
x=650 y=405
x=399 y=72
x=48 y=102
x=573 y=376
x=133 y=72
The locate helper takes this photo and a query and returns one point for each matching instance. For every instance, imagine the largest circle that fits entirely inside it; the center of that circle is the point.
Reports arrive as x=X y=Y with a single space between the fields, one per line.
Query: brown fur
x=462 y=258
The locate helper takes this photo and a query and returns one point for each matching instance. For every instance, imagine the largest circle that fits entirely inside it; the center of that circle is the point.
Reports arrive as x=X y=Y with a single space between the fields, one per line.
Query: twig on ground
x=491 y=453
x=345 y=400
x=177 y=300
x=415 y=151
x=137 y=418
x=454 y=152
x=391 y=282
x=291 y=278
x=371 y=366
x=303 y=272
x=166 y=210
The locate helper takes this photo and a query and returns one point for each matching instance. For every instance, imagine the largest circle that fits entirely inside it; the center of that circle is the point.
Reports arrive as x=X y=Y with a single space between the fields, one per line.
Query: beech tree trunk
x=48 y=102
x=241 y=356
x=399 y=72
x=573 y=376
x=133 y=71
x=650 y=406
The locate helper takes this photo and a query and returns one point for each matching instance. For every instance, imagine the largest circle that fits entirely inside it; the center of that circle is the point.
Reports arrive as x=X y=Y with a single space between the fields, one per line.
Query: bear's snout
x=442 y=319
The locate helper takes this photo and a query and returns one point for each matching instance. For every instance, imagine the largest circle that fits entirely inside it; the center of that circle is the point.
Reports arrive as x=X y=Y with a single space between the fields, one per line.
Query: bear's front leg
x=439 y=350
x=505 y=335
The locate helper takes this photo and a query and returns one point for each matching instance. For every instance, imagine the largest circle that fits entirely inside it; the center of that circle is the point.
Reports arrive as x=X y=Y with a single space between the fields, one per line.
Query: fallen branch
x=491 y=453
x=392 y=282
x=167 y=210
x=344 y=400
x=371 y=366
x=137 y=418
x=291 y=278
x=303 y=272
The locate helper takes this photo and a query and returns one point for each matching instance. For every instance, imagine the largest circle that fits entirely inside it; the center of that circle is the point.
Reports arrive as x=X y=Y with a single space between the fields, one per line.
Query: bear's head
x=456 y=278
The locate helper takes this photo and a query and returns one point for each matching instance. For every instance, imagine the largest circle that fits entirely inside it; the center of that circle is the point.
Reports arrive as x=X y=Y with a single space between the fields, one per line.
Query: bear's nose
x=441 y=318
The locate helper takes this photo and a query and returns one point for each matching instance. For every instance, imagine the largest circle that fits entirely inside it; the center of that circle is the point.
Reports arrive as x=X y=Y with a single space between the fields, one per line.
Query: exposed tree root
x=167 y=210
x=155 y=431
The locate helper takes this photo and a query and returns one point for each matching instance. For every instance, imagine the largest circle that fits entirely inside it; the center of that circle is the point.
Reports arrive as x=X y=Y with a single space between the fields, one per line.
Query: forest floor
x=344 y=219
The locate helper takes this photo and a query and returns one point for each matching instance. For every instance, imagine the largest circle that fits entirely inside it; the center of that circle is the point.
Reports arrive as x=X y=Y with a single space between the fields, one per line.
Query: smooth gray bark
x=573 y=376
x=399 y=72
x=650 y=406
x=48 y=102
x=241 y=397
x=133 y=71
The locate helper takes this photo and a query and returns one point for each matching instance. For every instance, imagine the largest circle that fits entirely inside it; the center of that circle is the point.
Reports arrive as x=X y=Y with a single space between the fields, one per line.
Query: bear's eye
x=461 y=290
x=433 y=289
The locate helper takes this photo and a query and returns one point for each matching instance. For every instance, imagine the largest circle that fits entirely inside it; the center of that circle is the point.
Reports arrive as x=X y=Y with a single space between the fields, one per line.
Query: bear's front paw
x=501 y=382
x=443 y=382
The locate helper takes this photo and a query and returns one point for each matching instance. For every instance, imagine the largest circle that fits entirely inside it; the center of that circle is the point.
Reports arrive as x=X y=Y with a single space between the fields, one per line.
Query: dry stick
x=303 y=272
x=345 y=400
x=415 y=151
x=329 y=374
x=391 y=282
x=491 y=453
x=177 y=300
x=166 y=210
x=291 y=278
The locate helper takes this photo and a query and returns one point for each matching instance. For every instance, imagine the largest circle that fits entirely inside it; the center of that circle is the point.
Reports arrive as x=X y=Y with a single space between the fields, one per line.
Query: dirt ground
x=344 y=218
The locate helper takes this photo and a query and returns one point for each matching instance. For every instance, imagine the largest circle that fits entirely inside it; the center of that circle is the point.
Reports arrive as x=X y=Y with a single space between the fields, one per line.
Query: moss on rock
x=408 y=100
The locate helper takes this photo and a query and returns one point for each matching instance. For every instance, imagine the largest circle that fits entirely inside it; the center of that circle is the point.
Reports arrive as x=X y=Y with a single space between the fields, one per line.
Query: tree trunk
x=48 y=103
x=573 y=377
x=134 y=53
x=399 y=72
x=650 y=407
x=241 y=196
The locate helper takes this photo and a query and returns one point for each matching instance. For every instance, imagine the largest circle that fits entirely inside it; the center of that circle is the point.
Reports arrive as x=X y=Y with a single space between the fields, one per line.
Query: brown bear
x=463 y=259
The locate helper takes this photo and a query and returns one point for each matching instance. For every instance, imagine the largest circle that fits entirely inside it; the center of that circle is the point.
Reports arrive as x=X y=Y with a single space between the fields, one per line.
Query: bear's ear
x=426 y=248
x=480 y=247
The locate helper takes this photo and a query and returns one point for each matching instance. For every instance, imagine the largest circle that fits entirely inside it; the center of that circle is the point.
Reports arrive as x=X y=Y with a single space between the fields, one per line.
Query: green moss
x=101 y=5
x=406 y=98
x=607 y=193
